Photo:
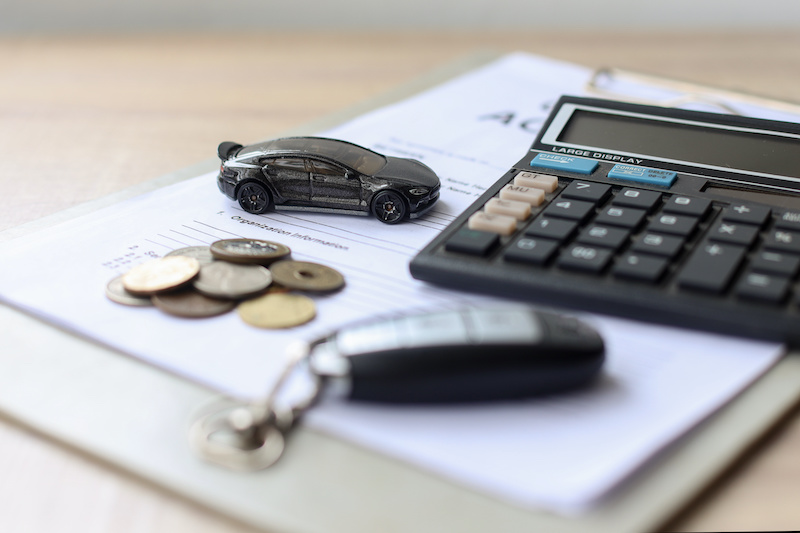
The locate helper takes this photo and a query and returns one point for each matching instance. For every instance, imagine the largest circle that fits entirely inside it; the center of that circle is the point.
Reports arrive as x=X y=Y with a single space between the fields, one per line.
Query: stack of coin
x=202 y=281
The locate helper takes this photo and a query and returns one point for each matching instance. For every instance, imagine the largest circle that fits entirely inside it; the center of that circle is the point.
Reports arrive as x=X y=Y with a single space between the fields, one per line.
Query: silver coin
x=231 y=281
x=191 y=304
x=116 y=292
x=249 y=251
x=201 y=253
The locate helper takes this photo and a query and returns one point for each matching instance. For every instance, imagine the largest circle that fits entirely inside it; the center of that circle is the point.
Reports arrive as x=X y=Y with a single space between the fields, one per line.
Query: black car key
x=466 y=355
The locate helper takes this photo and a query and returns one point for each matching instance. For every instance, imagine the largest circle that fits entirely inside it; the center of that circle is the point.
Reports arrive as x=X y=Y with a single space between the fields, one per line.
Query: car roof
x=356 y=157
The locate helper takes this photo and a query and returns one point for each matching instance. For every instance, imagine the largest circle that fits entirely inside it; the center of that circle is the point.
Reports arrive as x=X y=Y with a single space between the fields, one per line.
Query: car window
x=327 y=169
x=356 y=157
x=289 y=163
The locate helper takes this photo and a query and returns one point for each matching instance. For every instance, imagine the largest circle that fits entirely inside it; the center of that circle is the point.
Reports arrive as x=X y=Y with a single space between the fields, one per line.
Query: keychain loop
x=250 y=436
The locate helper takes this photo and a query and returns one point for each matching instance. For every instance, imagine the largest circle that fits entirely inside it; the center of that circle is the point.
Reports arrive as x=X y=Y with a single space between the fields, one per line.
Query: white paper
x=562 y=454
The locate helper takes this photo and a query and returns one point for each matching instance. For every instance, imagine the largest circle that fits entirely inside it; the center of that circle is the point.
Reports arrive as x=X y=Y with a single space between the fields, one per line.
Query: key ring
x=250 y=436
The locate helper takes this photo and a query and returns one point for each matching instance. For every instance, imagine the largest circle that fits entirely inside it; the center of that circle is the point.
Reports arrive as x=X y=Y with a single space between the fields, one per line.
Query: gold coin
x=191 y=304
x=159 y=275
x=278 y=310
x=117 y=293
x=306 y=276
x=249 y=251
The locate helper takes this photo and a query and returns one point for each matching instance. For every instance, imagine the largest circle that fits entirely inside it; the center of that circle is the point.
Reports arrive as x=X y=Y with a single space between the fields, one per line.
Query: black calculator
x=664 y=215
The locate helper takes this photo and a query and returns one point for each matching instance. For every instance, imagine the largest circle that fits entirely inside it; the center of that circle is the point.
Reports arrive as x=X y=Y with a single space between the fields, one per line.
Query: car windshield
x=358 y=158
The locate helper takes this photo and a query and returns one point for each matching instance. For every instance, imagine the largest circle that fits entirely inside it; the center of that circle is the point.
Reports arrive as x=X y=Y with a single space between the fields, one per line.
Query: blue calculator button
x=651 y=176
x=564 y=162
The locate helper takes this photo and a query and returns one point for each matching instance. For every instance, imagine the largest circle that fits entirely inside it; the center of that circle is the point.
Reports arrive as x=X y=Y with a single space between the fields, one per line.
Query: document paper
x=562 y=454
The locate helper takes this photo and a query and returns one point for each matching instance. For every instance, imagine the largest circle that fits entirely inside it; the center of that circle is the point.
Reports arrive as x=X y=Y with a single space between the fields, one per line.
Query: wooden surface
x=81 y=117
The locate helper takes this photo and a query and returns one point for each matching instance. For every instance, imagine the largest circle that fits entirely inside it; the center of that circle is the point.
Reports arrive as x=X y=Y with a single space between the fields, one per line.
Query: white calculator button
x=545 y=182
x=500 y=224
x=533 y=196
x=512 y=208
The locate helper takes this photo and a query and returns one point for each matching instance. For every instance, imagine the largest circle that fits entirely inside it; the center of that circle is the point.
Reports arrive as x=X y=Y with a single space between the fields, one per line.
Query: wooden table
x=82 y=117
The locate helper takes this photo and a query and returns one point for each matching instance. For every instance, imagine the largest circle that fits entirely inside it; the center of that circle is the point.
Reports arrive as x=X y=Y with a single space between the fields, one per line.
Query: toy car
x=319 y=174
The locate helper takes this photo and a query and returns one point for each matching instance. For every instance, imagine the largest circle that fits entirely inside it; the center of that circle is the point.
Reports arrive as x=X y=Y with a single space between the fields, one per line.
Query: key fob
x=467 y=355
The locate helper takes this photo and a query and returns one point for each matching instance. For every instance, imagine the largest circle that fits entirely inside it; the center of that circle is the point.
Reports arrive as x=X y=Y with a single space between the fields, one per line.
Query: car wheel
x=253 y=197
x=389 y=207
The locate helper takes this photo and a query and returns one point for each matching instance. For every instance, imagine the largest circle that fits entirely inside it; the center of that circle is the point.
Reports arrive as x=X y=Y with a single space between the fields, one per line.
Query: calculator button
x=472 y=242
x=500 y=224
x=685 y=205
x=627 y=217
x=746 y=214
x=585 y=258
x=673 y=224
x=651 y=176
x=569 y=209
x=512 y=208
x=776 y=263
x=762 y=287
x=637 y=198
x=604 y=236
x=590 y=192
x=733 y=233
x=711 y=267
x=533 y=250
x=564 y=162
x=552 y=228
x=788 y=220
x=522 y=194
x=640 y=267
x=653 y=243
x=546 y=182
x=783 y=241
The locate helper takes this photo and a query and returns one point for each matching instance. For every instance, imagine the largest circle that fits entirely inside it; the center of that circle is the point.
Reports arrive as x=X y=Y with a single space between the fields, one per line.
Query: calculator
x=671 y=216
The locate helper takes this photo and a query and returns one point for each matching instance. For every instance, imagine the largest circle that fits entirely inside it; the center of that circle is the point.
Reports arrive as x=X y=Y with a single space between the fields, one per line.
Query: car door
x=334 y=186
x=290 y=179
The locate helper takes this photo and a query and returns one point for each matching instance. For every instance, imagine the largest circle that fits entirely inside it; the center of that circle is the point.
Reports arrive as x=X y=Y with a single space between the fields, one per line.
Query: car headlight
x=418 y=191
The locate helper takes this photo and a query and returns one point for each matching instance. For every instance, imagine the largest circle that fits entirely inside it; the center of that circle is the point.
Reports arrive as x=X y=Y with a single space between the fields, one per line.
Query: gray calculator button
x=746 y=214
x=584 y=190
x=569 y=209
x=552 y=228
x=783 y=241
x=711 y=267
x=626 y=217
x=637 y=198
x=673 y=224
x=604 y=236
x=473 y=242
x=776 y=263
x=788 y=220
x=640 y=267
x=767 y=288
x=658 y=244
x=582 y=257
x=734 y=233
x=502 y=326
x=686 y=205
x=534 y=250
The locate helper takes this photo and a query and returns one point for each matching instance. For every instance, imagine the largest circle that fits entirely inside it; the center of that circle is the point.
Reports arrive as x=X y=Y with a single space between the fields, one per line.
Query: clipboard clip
x=617 y=84
x=250 y=436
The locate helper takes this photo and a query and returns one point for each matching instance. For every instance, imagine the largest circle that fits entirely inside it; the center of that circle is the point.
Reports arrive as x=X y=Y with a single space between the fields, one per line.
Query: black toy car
x=319 y=174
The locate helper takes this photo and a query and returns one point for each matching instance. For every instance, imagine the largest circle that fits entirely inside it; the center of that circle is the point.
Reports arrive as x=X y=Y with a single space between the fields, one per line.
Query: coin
x=201 y=253
x=162 y=274
x=249 y=251
x=277 y=310
x=306 y=276
x=230 y=281
x=191 y=304
x=117 y=293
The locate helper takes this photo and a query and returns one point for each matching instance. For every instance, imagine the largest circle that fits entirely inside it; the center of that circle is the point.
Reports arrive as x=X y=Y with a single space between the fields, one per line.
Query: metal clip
x=249 y=436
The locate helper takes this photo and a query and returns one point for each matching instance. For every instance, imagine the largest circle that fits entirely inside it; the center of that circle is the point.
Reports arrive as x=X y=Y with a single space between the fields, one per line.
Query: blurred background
x=39 y=16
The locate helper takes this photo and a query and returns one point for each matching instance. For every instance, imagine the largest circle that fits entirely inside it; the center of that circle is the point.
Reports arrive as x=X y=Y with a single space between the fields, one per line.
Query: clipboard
x=91 y=398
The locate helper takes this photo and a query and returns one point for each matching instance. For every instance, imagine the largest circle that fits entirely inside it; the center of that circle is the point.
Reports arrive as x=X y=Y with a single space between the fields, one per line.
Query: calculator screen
x=713 y=145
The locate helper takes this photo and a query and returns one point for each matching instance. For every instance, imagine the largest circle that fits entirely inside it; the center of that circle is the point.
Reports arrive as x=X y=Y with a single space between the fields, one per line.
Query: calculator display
x=717 y=146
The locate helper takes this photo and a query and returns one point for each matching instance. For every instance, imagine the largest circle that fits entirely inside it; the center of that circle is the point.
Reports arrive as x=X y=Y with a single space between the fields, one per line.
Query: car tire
x=253 y=197
x=389 y=207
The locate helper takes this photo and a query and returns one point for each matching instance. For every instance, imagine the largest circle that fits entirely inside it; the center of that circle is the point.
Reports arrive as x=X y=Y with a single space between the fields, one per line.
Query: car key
x=467 y=355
